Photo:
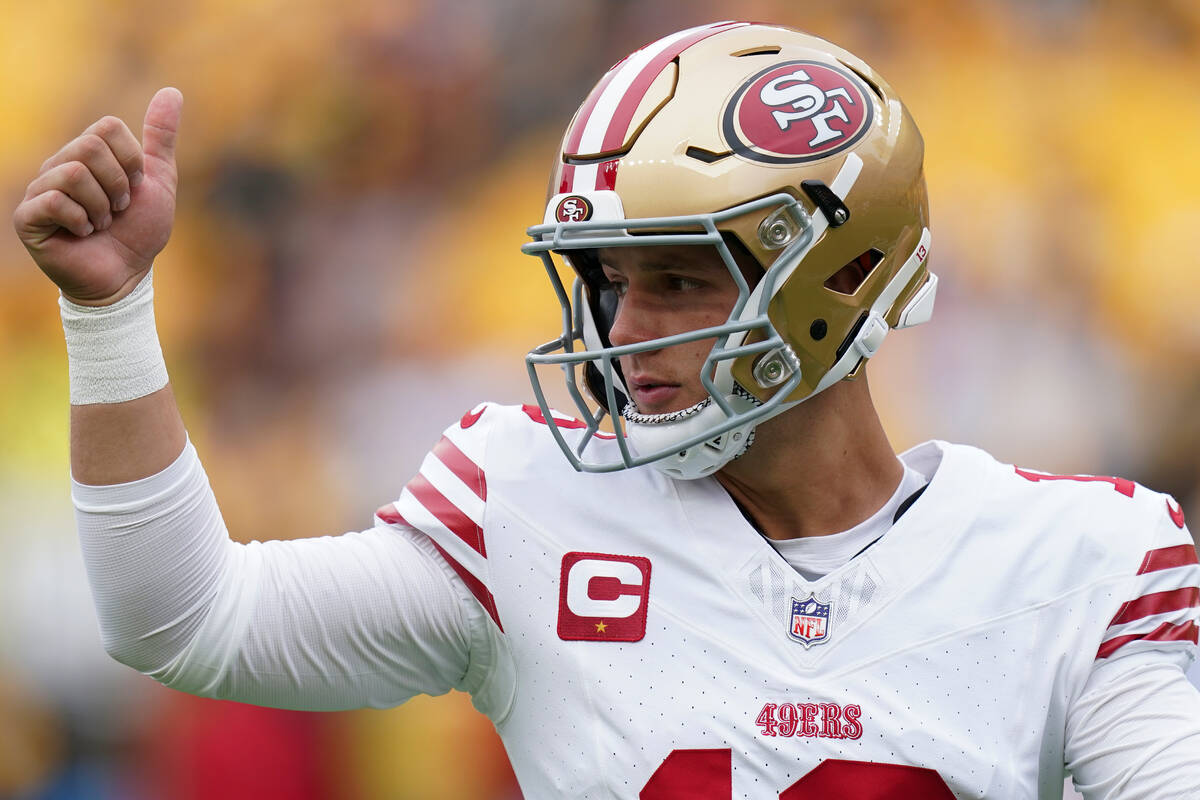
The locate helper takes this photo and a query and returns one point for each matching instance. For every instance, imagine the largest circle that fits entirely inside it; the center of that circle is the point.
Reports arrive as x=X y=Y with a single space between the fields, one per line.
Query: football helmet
x=737 y=136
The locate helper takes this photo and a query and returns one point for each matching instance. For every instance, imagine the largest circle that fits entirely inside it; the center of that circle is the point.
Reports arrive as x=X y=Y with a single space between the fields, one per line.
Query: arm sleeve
x=361 y=619
x=1133 y=732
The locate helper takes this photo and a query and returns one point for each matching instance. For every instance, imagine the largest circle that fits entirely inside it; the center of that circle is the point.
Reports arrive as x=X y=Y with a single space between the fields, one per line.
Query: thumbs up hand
x=101 y=208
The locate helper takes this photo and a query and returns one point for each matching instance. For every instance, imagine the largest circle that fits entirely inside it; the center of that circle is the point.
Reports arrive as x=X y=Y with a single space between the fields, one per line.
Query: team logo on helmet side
x=573 y=208
x=797 y=111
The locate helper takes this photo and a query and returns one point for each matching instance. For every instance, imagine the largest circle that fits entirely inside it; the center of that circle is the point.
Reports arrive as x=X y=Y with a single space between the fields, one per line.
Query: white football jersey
x=651 y=644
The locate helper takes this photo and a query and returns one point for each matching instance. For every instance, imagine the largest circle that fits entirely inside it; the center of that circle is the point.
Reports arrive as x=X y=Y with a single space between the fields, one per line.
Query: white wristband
x=113 y=353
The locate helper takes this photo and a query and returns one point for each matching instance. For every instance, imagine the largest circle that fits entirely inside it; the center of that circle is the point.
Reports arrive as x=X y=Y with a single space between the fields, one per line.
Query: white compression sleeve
x=1134 y=732
x=362 y=619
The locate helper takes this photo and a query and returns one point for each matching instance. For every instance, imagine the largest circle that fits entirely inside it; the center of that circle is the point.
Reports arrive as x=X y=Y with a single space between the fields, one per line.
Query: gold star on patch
x=600 y=626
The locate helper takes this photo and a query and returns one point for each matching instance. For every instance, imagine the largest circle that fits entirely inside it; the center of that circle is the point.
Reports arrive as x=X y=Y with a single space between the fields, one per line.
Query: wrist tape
x=113 y=353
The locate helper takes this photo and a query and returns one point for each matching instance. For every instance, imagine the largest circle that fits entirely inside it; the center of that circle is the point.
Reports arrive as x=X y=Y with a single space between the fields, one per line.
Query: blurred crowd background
x=344 y=280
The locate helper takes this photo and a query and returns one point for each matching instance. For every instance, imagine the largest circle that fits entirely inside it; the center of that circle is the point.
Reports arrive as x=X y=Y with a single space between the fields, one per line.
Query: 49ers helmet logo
x=573 y=208
x=797 y=111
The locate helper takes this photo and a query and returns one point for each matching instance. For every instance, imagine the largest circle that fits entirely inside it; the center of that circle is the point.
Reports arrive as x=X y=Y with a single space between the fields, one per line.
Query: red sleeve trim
x=391 y=516
x=1158 y=603
x=1167 y=557
x=485 y=598
x=447 y=513
x=1166 y=632
x=457 y=462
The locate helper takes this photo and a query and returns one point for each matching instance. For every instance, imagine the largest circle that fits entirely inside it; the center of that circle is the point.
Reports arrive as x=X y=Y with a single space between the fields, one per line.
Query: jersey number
x=1122 y=485
x=708 y=775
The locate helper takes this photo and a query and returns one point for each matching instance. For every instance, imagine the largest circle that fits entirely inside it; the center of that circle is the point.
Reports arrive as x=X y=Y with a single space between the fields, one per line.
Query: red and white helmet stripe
x=604 y=118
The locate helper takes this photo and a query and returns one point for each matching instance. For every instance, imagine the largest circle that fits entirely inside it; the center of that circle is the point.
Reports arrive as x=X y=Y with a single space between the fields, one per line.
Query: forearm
x=121 y=442
x=124 y=421
x=156 y=551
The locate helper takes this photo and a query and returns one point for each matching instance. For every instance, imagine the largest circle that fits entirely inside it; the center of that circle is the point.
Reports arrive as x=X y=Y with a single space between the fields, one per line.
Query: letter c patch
x=603 y=597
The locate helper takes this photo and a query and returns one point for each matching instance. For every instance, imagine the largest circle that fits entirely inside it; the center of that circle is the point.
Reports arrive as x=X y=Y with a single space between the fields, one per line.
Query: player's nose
x=635 y=322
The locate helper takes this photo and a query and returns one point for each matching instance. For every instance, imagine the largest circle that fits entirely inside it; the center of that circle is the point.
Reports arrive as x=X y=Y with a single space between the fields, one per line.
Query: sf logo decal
x=573 y=209
x=807 y=99
x=797 y=111
x=603 y=598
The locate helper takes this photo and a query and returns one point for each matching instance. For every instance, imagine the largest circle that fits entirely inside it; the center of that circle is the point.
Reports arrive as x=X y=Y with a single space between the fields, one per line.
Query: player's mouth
x=653 y=396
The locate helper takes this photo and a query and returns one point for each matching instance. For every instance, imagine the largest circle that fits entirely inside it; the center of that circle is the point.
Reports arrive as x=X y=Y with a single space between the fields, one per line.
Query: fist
x=101 y=208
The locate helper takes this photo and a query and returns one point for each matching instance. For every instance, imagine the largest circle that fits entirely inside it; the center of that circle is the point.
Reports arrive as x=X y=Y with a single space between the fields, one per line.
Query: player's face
x=664 y=291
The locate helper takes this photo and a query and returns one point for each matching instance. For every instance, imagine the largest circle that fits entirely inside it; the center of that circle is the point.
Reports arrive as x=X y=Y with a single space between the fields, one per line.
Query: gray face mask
x=691 y=442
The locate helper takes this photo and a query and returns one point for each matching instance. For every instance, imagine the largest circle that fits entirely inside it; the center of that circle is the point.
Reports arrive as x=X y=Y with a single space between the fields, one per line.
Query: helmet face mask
x=838 y=184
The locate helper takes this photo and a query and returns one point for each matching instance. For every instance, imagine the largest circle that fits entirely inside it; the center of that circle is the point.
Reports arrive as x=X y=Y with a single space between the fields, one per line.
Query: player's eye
x=681 y=283
x=616 y=285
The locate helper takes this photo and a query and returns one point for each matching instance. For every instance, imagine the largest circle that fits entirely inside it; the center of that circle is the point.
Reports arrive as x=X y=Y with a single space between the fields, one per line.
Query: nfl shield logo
x=810 y=621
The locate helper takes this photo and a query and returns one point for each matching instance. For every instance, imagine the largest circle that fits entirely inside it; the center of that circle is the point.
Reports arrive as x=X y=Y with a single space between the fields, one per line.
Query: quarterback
x=731 y=586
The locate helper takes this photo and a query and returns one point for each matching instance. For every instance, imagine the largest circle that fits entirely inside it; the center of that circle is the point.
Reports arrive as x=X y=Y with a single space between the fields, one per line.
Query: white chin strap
x=701 y=459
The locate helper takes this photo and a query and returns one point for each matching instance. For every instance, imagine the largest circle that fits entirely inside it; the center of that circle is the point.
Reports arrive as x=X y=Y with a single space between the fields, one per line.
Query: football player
x=739 y=590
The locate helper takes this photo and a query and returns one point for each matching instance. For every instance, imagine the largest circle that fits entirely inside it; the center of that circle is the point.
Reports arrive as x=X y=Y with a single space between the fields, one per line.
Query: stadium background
x=344 y=280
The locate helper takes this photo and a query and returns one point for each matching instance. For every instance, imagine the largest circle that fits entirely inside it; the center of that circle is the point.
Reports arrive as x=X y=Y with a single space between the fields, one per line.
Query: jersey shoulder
x=491 y=451
x=1122 y=518
x=1122 y=543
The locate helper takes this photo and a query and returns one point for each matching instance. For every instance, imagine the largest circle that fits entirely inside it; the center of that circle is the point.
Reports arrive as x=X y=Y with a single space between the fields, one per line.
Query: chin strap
x=652 y=432
x=631 y=414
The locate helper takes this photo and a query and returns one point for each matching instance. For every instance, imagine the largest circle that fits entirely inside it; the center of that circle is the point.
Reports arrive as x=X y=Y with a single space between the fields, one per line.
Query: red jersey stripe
x=1166 y=632
x=447 y=513
x=1158 y=603
x=1167 y=557
x=485 y=598
x=390 y=515
x=462 y=466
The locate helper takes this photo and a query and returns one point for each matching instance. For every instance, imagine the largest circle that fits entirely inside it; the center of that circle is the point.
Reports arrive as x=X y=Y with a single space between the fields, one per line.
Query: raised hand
x=101 y=208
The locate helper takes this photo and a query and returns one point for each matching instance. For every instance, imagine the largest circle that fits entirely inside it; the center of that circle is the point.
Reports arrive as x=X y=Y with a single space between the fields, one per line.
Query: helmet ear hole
x=850 y=277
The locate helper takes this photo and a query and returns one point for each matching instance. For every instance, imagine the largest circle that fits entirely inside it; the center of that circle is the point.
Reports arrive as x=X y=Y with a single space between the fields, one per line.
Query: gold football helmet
x=745 y=137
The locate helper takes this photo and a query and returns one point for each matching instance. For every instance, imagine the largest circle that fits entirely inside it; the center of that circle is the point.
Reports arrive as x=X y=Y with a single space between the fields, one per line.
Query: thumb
x=162 y=126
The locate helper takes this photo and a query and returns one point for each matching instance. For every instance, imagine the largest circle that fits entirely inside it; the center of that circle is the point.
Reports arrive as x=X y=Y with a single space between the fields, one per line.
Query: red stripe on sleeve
x=447 y=513
x=1158 y=603
x=1167 y=557
x=485 y=598
x=1166 y=632
x=462 y=466
x=390 y=515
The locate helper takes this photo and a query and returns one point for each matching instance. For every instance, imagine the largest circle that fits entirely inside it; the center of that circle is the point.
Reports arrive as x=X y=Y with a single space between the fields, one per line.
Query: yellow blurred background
x=344 y=280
